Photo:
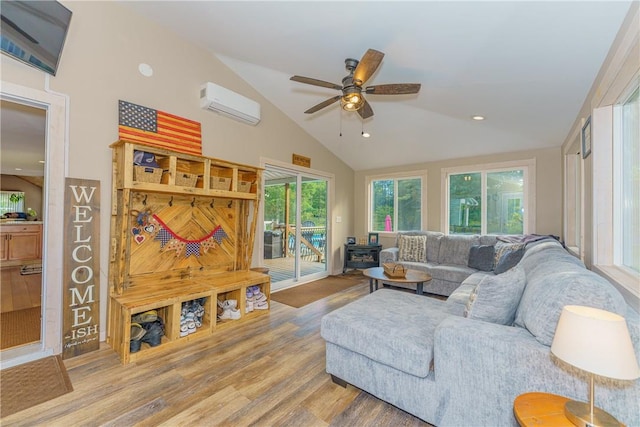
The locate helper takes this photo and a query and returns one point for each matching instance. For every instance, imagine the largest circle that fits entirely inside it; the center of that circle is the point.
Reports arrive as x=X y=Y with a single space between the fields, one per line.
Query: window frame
x=605 y=141
x=574 y=197
x=421 y=174
x=529 y=174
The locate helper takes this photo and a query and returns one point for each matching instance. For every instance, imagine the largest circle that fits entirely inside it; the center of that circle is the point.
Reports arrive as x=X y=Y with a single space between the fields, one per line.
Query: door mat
x=302 y=295
x=19 y=327
x=32 y=383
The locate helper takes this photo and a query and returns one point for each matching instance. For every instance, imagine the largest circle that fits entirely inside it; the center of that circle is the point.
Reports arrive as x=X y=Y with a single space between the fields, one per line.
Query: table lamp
x=598 y=342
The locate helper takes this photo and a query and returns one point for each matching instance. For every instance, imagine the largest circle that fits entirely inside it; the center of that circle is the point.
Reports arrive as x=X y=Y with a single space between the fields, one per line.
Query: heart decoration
x=135 y=231
x=139 y=238
x=149 y=228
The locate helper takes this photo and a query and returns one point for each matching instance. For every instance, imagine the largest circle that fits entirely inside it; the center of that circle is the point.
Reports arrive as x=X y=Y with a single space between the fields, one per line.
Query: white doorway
x=53 y=195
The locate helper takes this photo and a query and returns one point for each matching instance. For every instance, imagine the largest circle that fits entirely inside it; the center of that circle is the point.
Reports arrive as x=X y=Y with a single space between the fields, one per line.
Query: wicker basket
x=147 y=174
x=394 y=270
x=244 y=186
x=220 y=183
x=186 y=179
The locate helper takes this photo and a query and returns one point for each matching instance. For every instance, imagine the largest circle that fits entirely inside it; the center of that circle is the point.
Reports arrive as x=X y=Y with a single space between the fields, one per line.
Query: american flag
x=152 y=127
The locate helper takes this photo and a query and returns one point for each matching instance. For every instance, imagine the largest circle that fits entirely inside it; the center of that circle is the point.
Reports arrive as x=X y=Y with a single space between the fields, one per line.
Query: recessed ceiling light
x=477 y=117
x=41 y=161
x=365 y=134
x=18 y=169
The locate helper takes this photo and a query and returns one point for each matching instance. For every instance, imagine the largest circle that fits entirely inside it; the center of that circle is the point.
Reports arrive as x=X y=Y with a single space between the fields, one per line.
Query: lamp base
x=579 y=413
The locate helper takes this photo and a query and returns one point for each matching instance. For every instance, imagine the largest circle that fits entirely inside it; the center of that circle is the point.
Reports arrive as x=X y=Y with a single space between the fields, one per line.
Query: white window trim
x=529 y=167
x=422 y=174
x=604 y=223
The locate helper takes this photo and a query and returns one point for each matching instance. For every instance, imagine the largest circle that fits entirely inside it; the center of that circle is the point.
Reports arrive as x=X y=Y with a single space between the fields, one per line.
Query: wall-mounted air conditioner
x=230 y=104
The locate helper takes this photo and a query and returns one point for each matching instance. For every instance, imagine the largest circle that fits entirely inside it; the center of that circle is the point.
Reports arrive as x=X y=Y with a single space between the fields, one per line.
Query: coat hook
x=171 y=201
x=193 y=202
x=230 y=204
x=211 y=204
x=144 y=202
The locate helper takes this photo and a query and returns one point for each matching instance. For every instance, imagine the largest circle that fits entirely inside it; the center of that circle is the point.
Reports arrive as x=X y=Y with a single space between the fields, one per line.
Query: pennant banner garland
x=171 y=241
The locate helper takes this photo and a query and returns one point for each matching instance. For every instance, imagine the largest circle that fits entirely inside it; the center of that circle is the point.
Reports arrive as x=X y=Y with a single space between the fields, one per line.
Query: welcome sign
x=81 y=301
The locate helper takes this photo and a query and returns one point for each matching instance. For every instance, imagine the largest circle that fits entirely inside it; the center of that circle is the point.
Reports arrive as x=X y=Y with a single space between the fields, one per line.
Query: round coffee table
x=413 y=276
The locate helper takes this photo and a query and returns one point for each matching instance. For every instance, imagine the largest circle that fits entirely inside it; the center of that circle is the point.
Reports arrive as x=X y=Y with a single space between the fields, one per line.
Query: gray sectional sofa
x=463 y=361
x=446 y=258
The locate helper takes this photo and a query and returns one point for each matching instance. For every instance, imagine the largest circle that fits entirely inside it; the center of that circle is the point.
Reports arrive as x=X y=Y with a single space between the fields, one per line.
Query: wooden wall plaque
x=81 y=271
x=299 y=160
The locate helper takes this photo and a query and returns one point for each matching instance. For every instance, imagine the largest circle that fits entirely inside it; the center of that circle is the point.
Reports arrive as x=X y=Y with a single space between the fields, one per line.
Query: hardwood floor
x=18 y=292
x=267 y=372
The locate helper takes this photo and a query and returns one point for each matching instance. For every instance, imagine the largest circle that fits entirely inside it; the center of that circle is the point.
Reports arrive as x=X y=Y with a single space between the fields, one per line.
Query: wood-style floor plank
x=269 y=371
x=17 y=291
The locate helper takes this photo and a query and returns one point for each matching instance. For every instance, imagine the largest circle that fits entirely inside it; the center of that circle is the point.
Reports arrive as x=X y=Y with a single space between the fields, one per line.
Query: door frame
x=295 y=169
x=53 y=195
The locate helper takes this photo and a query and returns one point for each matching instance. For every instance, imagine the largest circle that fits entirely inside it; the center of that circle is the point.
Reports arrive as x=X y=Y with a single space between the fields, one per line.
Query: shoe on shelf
x=134 y=346
x=146 y=317
x=249 y=307
x=230 y=314
x=137 y=332
x=191 y=326
x=261 y=305
x=155 y=331
x=230 y=303
x=260 y=298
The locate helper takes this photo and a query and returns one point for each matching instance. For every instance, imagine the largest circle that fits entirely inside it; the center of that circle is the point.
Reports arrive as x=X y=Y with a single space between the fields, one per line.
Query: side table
x=541 y=409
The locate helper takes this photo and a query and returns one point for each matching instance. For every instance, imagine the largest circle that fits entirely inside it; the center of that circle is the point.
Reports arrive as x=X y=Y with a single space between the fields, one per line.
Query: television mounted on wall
x=34 y=32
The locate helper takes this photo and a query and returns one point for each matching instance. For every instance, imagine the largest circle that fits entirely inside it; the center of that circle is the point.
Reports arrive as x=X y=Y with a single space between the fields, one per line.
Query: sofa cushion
x=481 y=257
x=450 y=272
x=555 y=279
x=495 y=299
x=509 y=259
x=412 y=248
x=458 y=299
x=394 y=328
x=454 y=249
x=433 y=242
x=502 y=248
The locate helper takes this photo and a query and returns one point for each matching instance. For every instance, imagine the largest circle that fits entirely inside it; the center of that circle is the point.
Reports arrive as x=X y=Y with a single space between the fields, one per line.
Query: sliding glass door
x=295 y=226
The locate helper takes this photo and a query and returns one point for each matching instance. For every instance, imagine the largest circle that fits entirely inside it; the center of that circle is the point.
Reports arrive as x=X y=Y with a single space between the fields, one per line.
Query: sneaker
x=230 y=303
x=191 y=325
x=230 y=314
x=146 y=317
x=249 y=307
x=261 y=305
x=260 y=298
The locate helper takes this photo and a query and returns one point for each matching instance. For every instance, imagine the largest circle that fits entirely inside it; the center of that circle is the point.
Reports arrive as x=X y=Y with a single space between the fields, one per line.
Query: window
x=573 y=198
x=396 y=204
x=627 y=183
x=491 y=199
x=11 y=201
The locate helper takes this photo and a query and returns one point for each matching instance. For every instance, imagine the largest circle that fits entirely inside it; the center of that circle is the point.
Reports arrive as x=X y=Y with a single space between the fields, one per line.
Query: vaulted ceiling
x=526 y=66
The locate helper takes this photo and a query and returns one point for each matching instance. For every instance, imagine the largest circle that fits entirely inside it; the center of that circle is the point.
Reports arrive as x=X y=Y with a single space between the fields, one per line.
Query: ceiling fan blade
x=394 y=89
x=315 y=82
x=367 y=66
x=322 y=104
x=366 y=111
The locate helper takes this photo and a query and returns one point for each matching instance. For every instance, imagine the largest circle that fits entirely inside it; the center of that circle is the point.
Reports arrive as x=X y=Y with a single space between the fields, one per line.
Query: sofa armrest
x=477 y=362
x=389 y=255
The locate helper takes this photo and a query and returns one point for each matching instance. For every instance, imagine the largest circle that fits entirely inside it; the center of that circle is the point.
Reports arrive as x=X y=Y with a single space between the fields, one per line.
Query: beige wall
x=99 y=66
x=548 y=189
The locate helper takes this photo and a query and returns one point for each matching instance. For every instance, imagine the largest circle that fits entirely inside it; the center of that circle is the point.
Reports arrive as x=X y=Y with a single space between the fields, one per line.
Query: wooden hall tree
x=180 y=233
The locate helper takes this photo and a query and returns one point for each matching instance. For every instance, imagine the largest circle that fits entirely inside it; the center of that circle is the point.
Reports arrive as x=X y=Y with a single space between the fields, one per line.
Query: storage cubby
x=207 y=226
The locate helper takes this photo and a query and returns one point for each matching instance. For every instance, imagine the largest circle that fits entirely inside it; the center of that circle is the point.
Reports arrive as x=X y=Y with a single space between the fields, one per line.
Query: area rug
x=19 y=327
x=302 y=295
x=32 y=383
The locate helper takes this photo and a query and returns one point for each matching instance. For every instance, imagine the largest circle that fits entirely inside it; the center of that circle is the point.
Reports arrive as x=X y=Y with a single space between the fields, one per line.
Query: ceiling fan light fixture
x=352 y=101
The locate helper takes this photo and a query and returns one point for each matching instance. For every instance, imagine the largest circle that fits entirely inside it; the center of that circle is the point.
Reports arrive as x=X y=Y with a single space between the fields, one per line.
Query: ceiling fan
x=352 y=90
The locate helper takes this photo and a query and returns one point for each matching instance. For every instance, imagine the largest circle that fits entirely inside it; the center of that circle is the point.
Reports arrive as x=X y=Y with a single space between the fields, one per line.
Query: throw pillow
x=496 y=298
x=412 y=248
x=506 y=248
x=481 y=257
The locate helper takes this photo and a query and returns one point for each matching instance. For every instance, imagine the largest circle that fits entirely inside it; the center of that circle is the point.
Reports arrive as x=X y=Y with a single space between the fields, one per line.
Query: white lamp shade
x=595 y=341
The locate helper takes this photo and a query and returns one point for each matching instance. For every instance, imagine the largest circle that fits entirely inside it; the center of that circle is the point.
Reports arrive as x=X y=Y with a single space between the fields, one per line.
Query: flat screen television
x=34 y=32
